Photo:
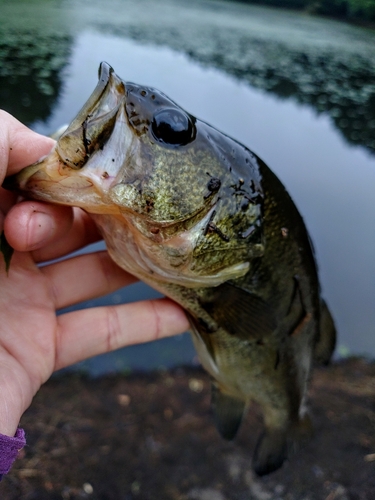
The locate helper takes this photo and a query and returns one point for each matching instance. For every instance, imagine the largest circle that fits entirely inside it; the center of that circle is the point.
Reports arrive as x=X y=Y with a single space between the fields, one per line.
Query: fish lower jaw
x=187 y=278
x=151 y=262
x=153 y=272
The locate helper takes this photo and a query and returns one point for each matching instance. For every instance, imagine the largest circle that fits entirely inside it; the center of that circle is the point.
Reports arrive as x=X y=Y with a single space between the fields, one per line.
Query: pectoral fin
x=239 y=312
x=228 y=413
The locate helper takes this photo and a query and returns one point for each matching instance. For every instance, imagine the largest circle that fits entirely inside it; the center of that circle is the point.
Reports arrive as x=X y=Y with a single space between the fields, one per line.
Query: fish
x=201 y=218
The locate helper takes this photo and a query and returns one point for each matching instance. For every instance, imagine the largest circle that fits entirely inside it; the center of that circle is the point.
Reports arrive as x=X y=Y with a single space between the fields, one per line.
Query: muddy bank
x=151 y=437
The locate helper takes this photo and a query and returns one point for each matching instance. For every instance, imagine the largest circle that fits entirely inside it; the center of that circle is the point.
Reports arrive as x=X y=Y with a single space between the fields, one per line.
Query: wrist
x=15 y=395
x=10 y=415
x=9 y=448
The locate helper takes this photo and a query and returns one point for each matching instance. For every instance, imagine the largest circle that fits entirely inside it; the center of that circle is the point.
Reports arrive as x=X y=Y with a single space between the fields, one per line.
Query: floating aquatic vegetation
x=335 y=80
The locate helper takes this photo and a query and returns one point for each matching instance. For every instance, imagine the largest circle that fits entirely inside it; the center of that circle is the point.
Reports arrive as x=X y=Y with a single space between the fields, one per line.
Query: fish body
x=201 y=218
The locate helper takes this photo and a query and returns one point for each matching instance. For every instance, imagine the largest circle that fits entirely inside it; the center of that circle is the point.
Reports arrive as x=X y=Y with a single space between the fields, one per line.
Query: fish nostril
x=214 y=184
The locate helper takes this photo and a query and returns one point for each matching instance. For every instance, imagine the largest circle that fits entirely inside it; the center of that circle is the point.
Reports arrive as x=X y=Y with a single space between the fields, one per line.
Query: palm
x=34 y=341
x=28 y=330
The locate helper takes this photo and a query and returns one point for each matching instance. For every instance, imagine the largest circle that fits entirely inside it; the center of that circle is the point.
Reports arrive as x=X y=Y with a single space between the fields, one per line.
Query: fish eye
x=173 y=127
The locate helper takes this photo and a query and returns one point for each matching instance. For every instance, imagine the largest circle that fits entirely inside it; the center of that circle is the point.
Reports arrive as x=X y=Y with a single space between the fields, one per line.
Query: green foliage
x=345 y=9
x=290 y=4
x=363 y=9
x=336 y=8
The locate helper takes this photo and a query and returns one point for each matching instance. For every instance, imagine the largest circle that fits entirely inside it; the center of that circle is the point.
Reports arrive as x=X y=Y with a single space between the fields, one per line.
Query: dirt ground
x=151 y=437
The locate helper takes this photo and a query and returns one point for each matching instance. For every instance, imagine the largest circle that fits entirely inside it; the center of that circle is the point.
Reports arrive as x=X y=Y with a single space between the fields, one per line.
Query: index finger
x=89 y=332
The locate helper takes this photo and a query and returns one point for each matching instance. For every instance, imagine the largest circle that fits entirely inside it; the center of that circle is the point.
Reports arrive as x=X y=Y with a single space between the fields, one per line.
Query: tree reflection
x=31 y=76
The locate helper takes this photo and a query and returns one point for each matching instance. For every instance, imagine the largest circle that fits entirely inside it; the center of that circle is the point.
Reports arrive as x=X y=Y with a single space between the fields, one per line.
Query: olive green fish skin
x=199 y=217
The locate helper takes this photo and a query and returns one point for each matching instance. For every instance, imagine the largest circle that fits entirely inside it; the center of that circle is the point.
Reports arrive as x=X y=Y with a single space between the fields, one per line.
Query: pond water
x=298 y=90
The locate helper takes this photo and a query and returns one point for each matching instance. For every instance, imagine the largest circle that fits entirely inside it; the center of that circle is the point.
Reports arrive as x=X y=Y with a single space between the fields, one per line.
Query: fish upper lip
x=93 y=124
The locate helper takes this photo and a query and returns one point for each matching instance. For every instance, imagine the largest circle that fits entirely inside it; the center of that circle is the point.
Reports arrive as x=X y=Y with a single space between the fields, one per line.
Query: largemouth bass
x=201 y=218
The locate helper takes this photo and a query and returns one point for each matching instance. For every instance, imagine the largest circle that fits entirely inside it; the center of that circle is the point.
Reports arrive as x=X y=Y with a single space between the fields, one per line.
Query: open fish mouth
x=94 y=124
x=62 y=177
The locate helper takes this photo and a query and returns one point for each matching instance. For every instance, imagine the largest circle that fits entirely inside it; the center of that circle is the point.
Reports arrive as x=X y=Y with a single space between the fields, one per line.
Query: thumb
x=19 y=146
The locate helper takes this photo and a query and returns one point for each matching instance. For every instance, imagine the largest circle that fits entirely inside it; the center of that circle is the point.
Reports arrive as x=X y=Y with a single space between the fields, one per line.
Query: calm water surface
x=299 y=91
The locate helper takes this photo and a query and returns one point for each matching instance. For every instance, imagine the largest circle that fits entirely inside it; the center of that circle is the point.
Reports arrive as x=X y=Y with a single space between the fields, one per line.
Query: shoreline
x=313 y=11
x=151 y=436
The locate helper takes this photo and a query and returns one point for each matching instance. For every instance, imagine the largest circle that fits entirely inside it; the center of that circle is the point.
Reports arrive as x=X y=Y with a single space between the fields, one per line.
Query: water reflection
x=322 y=63
x=33 y=56
x=302 y=108
x=31 y=67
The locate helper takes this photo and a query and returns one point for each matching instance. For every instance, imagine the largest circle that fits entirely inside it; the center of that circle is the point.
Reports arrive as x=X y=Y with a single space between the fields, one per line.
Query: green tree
x=362 y=9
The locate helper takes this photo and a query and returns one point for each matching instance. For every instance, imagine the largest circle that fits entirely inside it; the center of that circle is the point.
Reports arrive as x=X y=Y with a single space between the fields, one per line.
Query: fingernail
x=40 y=229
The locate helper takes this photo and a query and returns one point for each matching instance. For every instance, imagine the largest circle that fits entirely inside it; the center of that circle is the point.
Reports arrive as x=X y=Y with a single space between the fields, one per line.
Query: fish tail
x=275 y=445
x=325 y=345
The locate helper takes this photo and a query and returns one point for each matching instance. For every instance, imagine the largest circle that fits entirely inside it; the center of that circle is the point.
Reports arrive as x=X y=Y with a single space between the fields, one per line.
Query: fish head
x=187 y=197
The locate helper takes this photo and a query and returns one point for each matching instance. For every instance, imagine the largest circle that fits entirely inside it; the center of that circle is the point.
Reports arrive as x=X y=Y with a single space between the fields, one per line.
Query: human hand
x=34 y=342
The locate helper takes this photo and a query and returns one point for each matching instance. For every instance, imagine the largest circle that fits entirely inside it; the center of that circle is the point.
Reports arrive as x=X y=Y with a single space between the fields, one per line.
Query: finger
x=83 y=232
x=30 y=225
x=19 y=146
x=89 y=332
x=50 y=231
x=85 y=277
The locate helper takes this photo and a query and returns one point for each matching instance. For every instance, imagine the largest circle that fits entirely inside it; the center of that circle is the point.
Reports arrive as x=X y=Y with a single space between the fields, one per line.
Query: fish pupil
x=173 y=126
